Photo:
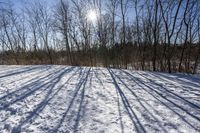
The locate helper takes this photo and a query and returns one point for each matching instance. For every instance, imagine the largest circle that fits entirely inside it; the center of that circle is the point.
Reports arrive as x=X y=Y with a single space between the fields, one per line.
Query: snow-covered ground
x=96 y=100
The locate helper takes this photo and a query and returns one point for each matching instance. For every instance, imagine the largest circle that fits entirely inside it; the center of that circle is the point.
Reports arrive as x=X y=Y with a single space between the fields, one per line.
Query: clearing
x=47 y=98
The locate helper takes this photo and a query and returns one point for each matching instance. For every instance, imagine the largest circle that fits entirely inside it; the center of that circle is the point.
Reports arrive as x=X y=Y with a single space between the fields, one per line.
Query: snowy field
x=96 y=100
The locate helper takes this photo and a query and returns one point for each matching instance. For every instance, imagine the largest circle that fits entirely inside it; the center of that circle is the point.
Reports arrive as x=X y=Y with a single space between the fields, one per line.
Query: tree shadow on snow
x=32 y=84
x=145 y=110
x=170 y=100
x=31 y=88
x=97 y=76
x=20 y=71
x=50 y=94
x=36 y=74
x=183 y=89
x=182 y=79
x=77 y=96
x=134 y=118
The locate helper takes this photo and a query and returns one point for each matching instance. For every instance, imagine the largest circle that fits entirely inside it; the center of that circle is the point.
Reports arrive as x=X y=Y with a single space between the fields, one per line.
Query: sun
x=92 y=16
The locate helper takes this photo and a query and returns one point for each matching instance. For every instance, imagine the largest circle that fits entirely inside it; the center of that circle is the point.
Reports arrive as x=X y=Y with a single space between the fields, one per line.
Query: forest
x=99 y=66
x=155 y=35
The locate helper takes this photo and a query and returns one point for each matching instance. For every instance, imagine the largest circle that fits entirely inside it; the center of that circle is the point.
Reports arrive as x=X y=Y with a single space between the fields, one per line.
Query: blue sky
x=18 y=4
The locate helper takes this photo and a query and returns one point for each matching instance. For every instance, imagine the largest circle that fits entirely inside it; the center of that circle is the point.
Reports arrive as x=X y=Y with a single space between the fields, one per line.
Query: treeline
x=157 y=35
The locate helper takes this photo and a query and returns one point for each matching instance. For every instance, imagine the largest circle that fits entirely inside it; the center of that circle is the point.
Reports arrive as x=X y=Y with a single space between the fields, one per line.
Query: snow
x=48 y=98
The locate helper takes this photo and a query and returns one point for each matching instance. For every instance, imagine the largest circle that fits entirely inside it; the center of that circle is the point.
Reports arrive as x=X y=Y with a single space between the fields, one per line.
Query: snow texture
x=52 y=99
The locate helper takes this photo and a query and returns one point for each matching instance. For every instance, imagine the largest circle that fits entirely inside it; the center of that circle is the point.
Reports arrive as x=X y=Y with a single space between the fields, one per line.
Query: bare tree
x=169 y=30
x=44 y=23
x=198 y=52
x=63 y=21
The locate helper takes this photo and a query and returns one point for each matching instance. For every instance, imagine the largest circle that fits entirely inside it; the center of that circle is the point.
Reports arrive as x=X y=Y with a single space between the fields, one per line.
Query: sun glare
x=92 y=16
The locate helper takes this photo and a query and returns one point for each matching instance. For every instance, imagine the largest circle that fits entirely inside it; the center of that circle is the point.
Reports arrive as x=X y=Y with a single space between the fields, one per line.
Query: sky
x=19 y=4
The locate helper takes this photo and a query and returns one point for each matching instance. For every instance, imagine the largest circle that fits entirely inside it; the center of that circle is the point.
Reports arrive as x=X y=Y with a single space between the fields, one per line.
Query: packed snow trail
x=49 y=99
